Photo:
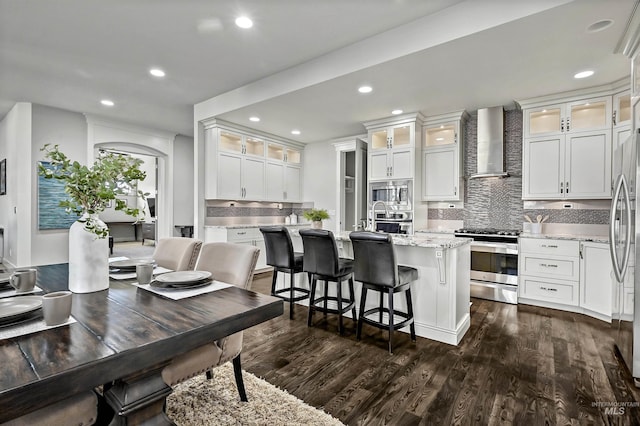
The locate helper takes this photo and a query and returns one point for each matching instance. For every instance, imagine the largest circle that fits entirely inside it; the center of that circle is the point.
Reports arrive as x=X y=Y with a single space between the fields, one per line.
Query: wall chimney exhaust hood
x=490 y=154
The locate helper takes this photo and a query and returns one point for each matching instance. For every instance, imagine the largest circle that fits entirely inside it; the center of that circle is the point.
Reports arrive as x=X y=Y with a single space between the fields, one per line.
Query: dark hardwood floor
x=517 y=364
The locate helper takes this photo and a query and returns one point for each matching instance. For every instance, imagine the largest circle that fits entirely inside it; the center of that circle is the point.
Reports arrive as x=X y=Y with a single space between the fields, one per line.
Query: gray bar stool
x=281 y=256
x=376 y=268
x=321 y=260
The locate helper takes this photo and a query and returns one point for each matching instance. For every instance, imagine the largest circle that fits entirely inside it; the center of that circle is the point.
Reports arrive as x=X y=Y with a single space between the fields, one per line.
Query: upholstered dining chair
x=177 y=253
x=233 y=264
x=79 y=410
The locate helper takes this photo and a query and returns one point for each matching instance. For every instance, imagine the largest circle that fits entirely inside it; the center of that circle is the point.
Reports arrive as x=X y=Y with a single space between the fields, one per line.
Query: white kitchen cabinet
x=566 y=274
x=392 y=147
x=391 y=164
x=241 y=165
x=596 y=279
x=576 y=115
x=247 y=236
x=622 y=109
x=283 y=174
x=567 y=166
x=244 y=177
x=549 y=271
x=442 y=158
x=393 y=136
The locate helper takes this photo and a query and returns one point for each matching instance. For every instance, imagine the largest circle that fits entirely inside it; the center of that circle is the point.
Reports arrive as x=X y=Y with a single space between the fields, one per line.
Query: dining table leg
x=139 y=400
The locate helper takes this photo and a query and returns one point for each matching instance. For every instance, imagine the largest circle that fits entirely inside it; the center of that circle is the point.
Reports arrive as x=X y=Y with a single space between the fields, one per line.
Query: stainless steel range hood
x=490 y=143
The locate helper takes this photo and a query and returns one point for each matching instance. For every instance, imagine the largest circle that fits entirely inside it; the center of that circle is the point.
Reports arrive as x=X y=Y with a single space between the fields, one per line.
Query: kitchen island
x=441 y=293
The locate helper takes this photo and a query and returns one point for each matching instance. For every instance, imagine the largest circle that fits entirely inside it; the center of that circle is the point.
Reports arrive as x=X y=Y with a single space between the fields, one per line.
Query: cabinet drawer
x=549 y=290
x=551 y=266
x=240 y=234
x=547 y=246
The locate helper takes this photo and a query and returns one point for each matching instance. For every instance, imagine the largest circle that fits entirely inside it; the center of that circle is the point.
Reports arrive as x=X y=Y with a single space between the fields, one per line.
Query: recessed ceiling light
x=254 y=119
x=244 y=22
x=600 y=25
x=157 y=72
x=583 y=74
x=295 y=132
x=365 y=89
x=396 y=111
x=107 y=102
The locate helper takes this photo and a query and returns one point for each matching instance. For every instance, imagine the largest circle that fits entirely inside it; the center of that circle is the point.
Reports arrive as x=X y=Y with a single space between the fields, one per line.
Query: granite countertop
x=255 y=225
x=436 y=231
x=592 y=238
x=412 y=240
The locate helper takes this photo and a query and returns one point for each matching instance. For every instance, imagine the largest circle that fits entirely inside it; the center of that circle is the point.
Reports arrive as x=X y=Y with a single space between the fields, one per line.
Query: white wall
x=183 y=184
x=320 y=186
x=15 y=138
x=68 y=130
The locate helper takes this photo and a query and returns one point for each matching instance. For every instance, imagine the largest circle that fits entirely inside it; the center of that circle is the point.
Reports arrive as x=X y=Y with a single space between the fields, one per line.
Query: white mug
x=144 y=273
x=56 y=307
x=23 y=280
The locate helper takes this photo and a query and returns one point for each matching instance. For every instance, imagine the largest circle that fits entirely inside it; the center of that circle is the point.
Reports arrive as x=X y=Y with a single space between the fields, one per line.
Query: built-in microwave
x=396 y=194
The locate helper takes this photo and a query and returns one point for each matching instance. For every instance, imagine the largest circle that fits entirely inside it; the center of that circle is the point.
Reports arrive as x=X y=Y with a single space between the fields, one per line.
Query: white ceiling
x=301 y=63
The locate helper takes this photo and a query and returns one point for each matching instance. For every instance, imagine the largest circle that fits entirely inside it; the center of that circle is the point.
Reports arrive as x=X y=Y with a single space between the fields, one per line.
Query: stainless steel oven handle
x=494 y=247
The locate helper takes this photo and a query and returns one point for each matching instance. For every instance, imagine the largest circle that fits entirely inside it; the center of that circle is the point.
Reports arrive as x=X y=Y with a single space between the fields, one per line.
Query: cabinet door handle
x=548 y=289
x=562 y=125
x=568 y=124
x=567 y=187
x=455 y=138
x=614 y=117
x=548 y=265
x=549 y=245
x=561 y=188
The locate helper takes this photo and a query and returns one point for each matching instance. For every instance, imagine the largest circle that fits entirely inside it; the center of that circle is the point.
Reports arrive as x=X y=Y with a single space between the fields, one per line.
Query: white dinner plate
x=17 y=306
x=129 y=264
x=183 y=277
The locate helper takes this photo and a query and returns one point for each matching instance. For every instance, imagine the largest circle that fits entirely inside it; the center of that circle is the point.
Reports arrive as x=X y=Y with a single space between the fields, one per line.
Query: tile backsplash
x=224 y=213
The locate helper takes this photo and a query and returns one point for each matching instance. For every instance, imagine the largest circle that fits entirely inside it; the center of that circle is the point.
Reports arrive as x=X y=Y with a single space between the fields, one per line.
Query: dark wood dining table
x=123 y=336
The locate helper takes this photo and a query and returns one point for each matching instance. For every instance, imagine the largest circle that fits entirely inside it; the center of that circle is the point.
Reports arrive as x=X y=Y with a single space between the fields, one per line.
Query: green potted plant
x=91 y=190
x=316 y=216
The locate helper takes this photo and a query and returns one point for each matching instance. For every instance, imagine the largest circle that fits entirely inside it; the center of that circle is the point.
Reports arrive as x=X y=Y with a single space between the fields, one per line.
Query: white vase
x=317 y=224
x=88 y=259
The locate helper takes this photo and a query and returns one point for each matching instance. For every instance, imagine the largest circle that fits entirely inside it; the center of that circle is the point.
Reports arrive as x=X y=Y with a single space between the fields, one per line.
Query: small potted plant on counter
x=316 y=216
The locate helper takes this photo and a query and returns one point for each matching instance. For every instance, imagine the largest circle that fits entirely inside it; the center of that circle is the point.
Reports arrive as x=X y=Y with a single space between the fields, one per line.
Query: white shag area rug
x=199 y=401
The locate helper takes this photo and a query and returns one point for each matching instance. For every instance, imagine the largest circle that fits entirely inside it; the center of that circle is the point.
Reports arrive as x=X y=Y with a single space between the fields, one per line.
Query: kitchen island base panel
x=441 y=294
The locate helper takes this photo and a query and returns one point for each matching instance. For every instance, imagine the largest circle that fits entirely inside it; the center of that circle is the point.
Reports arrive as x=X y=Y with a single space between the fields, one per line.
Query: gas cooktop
x=488 y=231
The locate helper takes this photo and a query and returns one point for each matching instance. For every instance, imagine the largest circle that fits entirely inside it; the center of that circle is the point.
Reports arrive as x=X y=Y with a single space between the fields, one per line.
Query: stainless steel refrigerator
x=623 y=240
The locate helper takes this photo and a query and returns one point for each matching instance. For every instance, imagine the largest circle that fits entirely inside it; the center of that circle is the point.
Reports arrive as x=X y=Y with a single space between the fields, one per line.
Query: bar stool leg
x=390 y=319
x=352 y=299
x=273 y=282
x=312 y=299
x=339 y=297
x=412 y=326
x=292 y=295
x=326 y=295
x=381 y=306
x=363 y=298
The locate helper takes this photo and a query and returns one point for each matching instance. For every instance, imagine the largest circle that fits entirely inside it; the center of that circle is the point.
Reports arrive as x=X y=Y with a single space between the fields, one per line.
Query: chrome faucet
x=373 y=213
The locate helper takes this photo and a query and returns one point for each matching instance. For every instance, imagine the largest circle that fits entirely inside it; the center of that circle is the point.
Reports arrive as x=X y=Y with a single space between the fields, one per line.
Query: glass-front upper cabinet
x=622 y=109
x=275 y=151
x=292 y=156
x=589 y=115
x=238 y=144
x=254 y=146
x=443 y=134
x=576 y=116
x=392 y=137
x=230 y=142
